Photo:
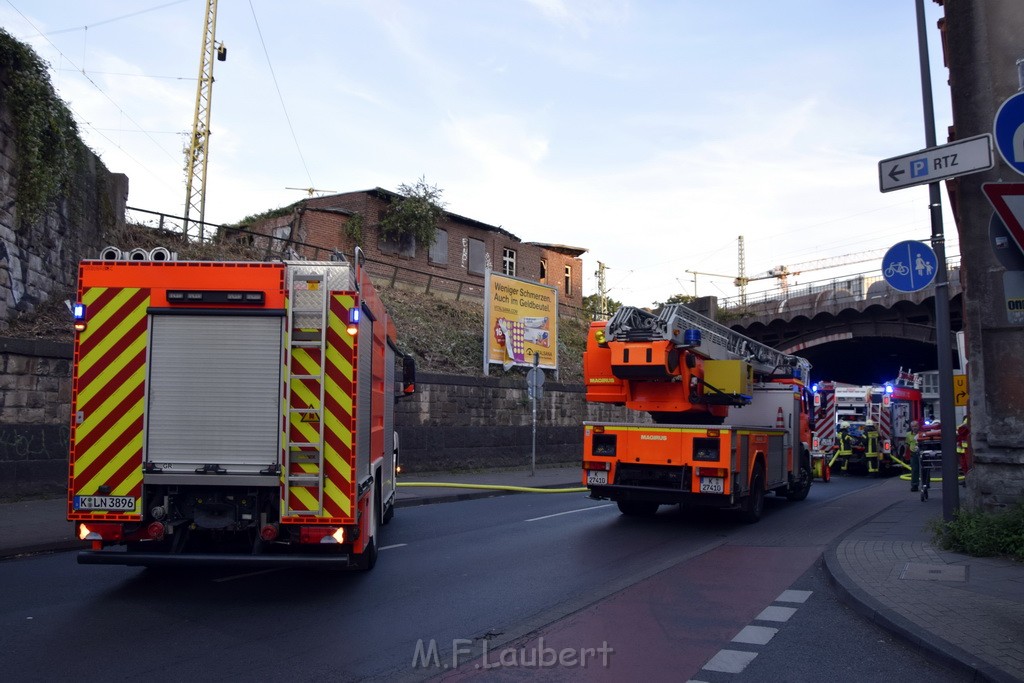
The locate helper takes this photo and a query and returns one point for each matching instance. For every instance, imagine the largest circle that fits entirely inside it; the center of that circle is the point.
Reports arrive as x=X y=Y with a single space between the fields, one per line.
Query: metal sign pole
x=950 y=485
x=535 y=388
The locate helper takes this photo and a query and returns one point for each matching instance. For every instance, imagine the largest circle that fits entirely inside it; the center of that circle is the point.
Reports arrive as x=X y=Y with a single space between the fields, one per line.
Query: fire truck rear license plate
x=105 y=503
x=597 y=477
x=712 y=485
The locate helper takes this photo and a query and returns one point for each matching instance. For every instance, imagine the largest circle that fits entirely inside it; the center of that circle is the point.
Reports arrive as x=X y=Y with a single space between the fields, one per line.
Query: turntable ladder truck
x=729 y=416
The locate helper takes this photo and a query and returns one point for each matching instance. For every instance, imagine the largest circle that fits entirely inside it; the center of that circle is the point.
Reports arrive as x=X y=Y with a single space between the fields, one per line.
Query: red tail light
x=156 y=531
x=269 y=532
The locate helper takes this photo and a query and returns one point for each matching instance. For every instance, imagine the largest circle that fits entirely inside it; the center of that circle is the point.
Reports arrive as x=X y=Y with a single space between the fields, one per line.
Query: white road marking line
x=389 y=547
x=569 y=512
x=755 y=635
x=730 y=661
x=793 y=596
x=774 y=613
x=244 y=576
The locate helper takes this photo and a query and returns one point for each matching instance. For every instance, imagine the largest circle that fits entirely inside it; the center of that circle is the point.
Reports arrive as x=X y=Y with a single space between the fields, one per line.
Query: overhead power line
x=280 y=97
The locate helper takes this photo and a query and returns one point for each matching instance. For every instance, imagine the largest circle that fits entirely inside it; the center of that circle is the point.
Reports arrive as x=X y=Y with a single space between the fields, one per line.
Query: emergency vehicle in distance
x=232 y=412
x=877 y=418
x=731 y=415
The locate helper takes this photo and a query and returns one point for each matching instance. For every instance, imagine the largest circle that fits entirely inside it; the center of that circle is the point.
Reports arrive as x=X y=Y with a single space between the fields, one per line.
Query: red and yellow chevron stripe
x=338 y=420
x=108 y=399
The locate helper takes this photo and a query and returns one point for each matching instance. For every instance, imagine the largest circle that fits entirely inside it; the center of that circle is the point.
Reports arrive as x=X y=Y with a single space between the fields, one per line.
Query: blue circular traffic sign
x=909 y=266
x=1008 y=131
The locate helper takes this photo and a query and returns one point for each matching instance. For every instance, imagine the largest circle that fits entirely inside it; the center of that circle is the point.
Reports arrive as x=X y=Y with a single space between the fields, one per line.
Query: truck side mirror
x=408 y=375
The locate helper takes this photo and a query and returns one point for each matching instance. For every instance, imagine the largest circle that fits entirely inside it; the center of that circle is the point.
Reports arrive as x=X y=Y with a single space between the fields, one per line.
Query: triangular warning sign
x=1008 y=201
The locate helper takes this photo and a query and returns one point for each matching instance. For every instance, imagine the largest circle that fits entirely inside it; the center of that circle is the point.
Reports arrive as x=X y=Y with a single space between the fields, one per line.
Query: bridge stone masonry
x=854 y=329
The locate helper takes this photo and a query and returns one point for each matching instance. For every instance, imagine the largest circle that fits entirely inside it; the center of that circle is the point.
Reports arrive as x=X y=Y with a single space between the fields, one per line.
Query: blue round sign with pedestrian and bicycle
x=909 y=266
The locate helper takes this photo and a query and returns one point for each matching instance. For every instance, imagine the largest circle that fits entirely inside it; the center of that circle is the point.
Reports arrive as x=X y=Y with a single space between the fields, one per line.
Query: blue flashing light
x=78 y=311
x=888 y=388
x=353 y=316
x=691 y=337
x=814 y=388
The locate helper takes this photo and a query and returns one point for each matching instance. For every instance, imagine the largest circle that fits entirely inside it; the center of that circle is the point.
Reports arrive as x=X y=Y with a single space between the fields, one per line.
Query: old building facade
x=454 y=264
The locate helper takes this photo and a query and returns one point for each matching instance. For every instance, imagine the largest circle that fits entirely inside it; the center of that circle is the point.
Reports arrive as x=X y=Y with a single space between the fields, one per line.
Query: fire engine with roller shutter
x=730 y=416
x=232 y=412
x=882 y=412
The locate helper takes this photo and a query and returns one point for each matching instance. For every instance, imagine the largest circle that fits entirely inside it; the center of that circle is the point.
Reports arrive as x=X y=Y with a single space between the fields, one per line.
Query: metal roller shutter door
x=214 y=390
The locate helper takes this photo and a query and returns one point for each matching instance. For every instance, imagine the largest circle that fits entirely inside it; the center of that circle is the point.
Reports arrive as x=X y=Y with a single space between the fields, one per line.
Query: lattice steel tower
x=199 y=144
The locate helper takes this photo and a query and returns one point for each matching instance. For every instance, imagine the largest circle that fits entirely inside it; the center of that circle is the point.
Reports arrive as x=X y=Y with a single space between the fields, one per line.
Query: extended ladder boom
x=717 y=341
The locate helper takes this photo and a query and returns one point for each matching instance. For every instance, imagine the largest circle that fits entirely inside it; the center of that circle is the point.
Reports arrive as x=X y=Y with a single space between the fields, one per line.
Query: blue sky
x=651 y=133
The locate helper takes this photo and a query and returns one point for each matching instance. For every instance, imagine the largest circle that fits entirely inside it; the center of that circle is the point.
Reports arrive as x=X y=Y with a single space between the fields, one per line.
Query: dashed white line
x=569 y=512
x=774 y=613
x=755 y=635
x=389 y=547
x=735 y=661
x=793 y=596
x=730 y=661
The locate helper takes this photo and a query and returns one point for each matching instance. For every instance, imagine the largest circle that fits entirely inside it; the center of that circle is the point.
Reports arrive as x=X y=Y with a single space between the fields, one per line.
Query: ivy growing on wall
x=354 y=228
x=47 y=146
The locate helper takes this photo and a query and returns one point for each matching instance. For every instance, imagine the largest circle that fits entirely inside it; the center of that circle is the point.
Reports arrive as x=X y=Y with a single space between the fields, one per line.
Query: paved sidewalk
x=967 y=611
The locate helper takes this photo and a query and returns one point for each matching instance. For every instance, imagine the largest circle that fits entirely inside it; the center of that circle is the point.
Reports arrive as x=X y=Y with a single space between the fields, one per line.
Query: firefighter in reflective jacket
x=963 y=446
x=915 y=454
x=872 y=454
x=844 y=445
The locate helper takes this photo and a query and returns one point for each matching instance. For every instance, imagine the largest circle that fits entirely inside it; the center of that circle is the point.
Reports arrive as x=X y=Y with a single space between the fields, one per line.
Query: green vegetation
x=983 y=534
x=674 y=299
x=415 y=214
x=447 y=336
x=354 y=228
x=272 y=213
x=592 y=306
x=48 y=148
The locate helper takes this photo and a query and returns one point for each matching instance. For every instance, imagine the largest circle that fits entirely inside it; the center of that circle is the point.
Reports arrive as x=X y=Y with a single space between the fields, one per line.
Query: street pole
x=950 y=470
x=533 y=393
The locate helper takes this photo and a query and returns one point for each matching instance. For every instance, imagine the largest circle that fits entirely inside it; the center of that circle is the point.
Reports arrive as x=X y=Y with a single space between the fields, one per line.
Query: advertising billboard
x=520 y=323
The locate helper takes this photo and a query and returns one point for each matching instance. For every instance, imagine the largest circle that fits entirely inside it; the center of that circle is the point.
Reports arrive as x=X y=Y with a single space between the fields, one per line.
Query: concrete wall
x=452 y=422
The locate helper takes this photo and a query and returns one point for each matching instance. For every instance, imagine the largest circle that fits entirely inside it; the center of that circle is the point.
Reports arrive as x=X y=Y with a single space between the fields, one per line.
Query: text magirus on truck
x=731 y=416
x=232 y=413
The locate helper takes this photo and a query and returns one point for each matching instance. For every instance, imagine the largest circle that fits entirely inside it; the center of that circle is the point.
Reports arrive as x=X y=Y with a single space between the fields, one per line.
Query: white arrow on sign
x=969 y=155
x=1008 y=201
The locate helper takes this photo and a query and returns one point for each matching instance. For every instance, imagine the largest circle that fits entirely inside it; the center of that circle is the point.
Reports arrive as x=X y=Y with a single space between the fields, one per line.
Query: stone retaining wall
x=452 y=422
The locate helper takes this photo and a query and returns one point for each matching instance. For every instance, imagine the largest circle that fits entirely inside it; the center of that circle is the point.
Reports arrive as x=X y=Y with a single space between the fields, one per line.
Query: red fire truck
x=876 y=417
x=232 y=413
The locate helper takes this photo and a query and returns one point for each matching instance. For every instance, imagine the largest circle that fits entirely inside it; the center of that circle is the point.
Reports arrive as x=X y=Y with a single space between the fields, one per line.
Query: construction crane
x=199 y=144
x=783 y=272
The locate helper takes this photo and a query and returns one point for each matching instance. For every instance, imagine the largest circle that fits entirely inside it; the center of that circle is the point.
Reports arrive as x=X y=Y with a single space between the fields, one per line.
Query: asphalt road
x=452 y=577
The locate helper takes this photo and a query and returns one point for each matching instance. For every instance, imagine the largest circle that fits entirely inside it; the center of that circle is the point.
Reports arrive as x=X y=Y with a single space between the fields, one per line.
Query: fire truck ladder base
x=307 y=338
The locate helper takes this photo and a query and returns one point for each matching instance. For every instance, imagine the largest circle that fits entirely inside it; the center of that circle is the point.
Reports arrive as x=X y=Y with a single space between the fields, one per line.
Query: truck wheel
x=753 y=507
x=803 y=484
x=367 y=560
x=637 y=508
